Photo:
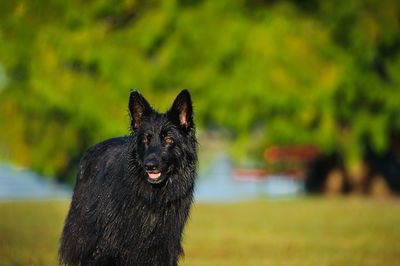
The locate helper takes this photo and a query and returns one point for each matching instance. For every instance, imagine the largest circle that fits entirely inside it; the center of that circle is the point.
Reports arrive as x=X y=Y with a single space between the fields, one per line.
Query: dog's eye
x=169 y=140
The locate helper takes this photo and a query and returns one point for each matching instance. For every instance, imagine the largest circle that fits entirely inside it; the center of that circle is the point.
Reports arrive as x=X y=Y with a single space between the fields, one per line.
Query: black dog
x=133 y=194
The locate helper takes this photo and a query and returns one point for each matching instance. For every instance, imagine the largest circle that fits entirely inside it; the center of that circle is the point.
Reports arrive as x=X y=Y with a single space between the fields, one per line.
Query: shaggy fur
x=133 y=194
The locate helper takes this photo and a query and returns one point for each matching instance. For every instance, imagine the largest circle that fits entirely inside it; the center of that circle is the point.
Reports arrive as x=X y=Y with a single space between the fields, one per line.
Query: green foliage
x=285 y=72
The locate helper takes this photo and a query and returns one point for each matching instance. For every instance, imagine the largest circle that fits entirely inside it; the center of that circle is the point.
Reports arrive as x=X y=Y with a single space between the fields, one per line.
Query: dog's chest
x=153 y=220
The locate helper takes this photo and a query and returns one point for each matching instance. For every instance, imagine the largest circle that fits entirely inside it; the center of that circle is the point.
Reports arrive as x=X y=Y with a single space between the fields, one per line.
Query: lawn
x=310 y=231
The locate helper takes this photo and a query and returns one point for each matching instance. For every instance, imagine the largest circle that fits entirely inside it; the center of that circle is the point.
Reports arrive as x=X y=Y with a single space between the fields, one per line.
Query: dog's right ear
x=138 y=108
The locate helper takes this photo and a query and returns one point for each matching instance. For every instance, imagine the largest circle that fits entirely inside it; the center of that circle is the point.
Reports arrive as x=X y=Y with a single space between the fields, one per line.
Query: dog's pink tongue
x=154 y=175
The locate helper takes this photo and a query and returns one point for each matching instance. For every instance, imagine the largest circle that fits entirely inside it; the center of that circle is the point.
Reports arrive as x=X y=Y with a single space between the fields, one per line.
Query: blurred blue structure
x=16 y=184
x=217 y=184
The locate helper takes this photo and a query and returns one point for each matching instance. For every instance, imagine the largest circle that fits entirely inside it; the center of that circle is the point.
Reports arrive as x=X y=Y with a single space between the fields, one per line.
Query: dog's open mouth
x=154 y=177
x=154 y=174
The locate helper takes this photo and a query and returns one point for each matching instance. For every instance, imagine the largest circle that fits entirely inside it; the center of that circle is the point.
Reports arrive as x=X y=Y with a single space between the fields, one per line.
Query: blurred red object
x=290 y=153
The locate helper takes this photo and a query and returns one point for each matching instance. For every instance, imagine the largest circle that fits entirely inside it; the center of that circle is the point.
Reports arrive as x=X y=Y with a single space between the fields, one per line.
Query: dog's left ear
x=181 y=111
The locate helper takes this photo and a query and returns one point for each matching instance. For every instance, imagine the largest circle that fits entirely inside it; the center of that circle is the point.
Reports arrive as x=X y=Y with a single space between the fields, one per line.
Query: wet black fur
x=117 y=215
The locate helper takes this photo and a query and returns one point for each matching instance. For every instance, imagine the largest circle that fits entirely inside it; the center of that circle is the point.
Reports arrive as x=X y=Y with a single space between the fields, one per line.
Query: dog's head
x=162 y=141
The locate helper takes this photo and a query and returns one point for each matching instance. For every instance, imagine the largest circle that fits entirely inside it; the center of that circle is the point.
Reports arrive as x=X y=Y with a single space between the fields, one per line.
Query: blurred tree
x=271 y=72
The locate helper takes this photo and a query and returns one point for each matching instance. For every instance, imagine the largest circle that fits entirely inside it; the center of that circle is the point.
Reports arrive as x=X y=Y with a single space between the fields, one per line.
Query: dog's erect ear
x=181 y=111
x=138 y=109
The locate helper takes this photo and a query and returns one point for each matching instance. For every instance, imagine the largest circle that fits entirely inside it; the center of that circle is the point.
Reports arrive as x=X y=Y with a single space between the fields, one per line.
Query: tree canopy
x=324 y=73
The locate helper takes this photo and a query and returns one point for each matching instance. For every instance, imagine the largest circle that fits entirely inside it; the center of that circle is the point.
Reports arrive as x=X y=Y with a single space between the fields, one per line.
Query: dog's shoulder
x=100 y=155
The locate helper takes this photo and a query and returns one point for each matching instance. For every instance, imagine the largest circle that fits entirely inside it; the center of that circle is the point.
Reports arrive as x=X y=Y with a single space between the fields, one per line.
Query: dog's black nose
x=151 y=165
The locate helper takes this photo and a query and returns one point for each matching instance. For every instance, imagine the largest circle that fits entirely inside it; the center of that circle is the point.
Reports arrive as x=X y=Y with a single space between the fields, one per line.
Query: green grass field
x=310 y=231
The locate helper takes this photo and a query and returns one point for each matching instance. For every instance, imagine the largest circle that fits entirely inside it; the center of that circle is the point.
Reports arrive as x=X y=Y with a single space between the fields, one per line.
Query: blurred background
x=292 y=98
